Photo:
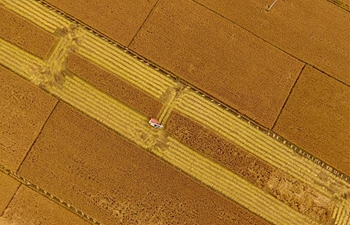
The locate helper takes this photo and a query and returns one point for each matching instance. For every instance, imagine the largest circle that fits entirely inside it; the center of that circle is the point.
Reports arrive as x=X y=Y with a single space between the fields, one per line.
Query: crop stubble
x=219 y=57
x=296 y=194
x=116 y=181
x=114 y=86
x=106 y=202
x=24 y=34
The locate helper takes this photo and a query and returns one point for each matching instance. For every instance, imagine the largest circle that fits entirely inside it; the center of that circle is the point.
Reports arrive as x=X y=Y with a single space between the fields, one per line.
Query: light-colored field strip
x=108 y=56
x=230 y=185
x=169 y=98
x=37 y=13
x=125 y=66
x=18 y=60
x=115 y=115
x=272 y=151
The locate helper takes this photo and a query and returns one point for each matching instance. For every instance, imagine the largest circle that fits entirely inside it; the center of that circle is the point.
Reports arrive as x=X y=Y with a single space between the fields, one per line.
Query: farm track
x=49 y=75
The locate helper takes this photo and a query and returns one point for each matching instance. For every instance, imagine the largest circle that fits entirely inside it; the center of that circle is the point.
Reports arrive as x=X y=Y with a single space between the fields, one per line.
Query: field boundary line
x=48 y=195
x=192 y=100
x=170 y=75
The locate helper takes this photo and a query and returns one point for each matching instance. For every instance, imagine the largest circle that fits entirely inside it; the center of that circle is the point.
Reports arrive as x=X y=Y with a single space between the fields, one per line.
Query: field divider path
x=51 y=76
x=48 y=195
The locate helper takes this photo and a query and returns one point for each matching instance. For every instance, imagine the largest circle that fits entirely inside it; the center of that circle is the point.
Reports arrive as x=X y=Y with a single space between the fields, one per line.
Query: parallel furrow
x=18 y=60
x=137 y=76
x=106 y=110
x=148 y=88
x=37 y=13
x=282 y=161
x=342 y=217
x=231 y=185
x=267 y=145
x=139 y=69
x=239 y=132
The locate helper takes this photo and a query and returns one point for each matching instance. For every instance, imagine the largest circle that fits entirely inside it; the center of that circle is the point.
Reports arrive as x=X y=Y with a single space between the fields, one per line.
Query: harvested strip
x=267 y=148
x=114 y=86
x=24 y=34
x=231 y=185
x=341 y=3
x=115 y=181
x=18 y=60
x=38 y=14
x=125 y=66
x=250 y=75
x=107 y=110
x=284 y=187
x=139 y=68
x=327 y=136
